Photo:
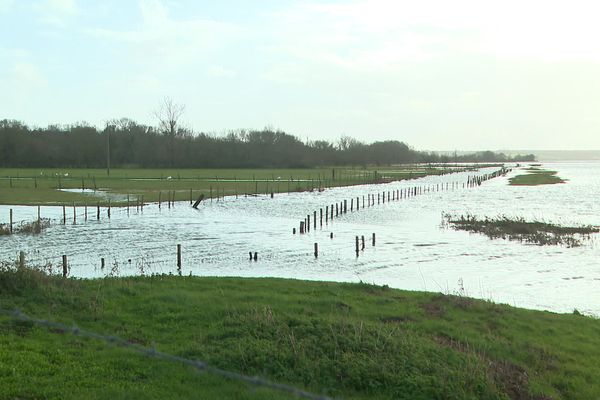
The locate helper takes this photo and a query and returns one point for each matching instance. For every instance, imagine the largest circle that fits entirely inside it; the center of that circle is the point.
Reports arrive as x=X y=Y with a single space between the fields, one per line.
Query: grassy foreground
x=352 y=341
x=536 y=176
x=37 y=186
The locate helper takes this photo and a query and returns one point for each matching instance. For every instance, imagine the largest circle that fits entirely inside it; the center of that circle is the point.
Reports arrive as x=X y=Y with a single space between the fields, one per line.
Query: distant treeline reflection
x=137 y=145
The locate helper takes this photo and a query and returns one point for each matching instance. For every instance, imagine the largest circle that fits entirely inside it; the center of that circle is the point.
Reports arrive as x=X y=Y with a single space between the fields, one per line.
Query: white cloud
x=28 y=75
x=170 y=41
x=57 y=13
x=385 y=33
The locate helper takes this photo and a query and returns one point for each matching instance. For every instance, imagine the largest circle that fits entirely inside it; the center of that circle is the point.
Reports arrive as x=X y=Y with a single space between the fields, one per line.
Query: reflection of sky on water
x=412 y=252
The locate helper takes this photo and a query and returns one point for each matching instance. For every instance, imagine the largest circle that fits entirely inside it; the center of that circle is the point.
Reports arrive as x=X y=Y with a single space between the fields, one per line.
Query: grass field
x=350 y=341
x=536 y=176
x=41 y=186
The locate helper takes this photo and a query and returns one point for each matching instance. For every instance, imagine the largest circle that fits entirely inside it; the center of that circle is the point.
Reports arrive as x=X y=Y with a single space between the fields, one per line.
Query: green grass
x=351 y=341
x=536 y=176
x=39 y=186
x=519 y=229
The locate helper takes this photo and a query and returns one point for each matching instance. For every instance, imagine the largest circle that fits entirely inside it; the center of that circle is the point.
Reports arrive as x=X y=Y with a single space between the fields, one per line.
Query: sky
x=436 y=74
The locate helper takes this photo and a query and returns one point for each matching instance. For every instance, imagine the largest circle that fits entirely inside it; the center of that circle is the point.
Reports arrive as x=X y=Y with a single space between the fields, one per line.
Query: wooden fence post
x=65 y=266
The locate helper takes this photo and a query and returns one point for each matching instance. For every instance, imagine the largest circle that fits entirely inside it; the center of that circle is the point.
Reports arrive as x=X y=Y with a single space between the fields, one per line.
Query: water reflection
x=412 y=252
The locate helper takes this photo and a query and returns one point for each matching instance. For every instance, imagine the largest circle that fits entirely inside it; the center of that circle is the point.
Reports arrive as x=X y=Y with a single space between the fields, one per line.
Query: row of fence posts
x=339 y=208
x=360 y=246
x=65 y=265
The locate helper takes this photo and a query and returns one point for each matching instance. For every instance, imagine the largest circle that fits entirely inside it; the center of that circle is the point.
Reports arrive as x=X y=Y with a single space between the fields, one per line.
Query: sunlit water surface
x=413 y=250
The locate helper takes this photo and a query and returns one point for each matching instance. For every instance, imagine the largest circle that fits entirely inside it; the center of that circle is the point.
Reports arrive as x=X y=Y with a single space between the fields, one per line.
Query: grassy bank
x=519 y=229
x=41 y=186
x=536 y=176
x=352 y=341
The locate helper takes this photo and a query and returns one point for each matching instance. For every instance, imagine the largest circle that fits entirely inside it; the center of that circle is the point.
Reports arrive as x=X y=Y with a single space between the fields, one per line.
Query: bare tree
x=169 y=115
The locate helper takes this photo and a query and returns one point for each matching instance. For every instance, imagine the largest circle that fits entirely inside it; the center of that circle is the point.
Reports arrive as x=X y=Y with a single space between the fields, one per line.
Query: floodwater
x=413 y=250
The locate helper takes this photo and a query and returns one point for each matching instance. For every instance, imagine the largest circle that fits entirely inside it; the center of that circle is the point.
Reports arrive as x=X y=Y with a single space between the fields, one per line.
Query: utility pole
x=108 y=152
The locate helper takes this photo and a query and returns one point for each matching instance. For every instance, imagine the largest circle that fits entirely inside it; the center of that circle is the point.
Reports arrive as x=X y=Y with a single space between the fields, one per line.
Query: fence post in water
x=330 y=235
x=255 y=256
x=74 y=214
x=356 y=241
x=293 y=231
x=11 y=221
x=326 y=214
x=315 y=219
x=21 y=259
x=373 y=238
x=191 y=200
x=362 y=239
x=357 y=203
x=64 y=216
x=308 y=223
x=352 y=204
x=108 y=211
x=102 y=263
x=316 y=250
x=345 y=206
x=98 y=211
x=301 y=227
x=65 y=266
x=159 y=199
x=336 y=209
x=39 y=214
x=179 y=258
x=250 y=253
x=321 y=217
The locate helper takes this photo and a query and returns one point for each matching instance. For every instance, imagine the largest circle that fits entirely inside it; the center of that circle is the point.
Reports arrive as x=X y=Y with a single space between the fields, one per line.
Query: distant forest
x=136 y=145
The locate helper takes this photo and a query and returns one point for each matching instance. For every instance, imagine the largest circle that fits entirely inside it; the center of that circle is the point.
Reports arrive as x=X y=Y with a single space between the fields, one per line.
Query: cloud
x=57 y=13
x=26 y=77
x=172 y=41
x=379 y=34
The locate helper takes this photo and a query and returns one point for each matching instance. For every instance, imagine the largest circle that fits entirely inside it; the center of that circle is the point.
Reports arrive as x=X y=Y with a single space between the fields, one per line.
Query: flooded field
x=413 y=250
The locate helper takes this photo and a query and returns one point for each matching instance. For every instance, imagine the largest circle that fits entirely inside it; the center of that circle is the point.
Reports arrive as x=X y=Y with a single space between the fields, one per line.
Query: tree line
x=126 y=143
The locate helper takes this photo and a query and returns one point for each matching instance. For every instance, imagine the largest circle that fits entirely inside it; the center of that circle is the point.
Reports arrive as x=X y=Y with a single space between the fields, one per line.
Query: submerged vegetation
x=536 y=176
x=519 y=229
x=33 y=228
x=350 y=341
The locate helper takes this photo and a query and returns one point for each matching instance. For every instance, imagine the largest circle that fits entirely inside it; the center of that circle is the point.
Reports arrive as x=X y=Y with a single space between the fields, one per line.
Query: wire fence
x=198 y=365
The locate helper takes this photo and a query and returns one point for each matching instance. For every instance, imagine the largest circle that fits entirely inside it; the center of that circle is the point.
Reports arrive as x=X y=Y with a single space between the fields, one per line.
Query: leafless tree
x=169 y=115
